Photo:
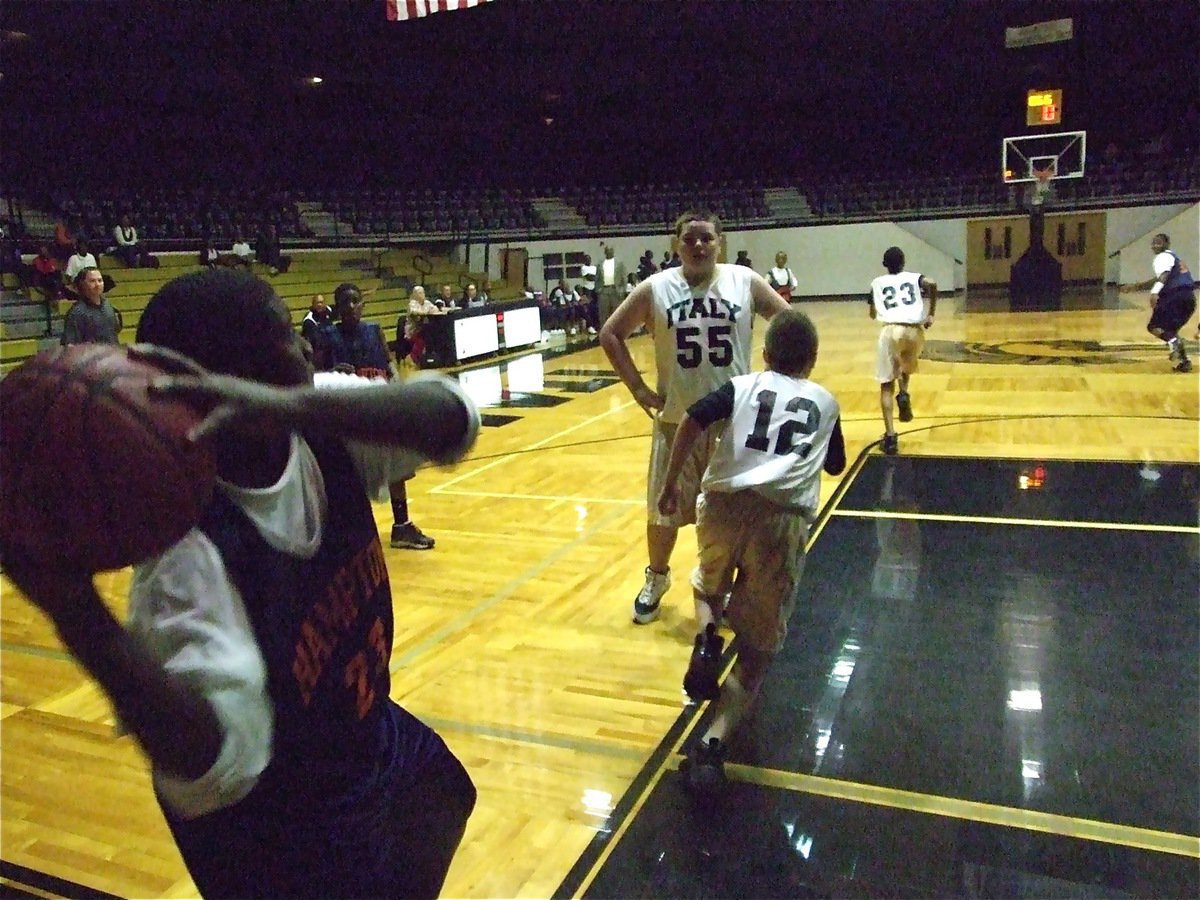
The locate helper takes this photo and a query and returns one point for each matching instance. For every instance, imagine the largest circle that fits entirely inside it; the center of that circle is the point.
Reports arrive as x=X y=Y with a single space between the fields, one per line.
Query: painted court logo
x=1045 y=353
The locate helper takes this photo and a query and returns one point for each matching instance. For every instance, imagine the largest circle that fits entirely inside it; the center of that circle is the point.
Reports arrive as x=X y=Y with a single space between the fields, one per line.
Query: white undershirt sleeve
x=193 y=619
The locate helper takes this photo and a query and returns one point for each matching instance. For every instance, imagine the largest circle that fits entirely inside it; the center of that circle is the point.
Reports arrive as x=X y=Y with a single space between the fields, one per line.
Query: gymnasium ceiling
x=809 y=80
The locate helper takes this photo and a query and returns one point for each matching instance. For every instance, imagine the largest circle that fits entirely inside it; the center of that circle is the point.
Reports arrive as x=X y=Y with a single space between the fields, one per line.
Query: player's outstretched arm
x=633 y=312
x=766 y=299
x=1137 y=286
x=428 y=413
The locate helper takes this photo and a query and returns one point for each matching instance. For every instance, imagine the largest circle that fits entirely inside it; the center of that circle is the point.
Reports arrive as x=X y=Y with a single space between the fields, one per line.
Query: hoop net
x=1041 y=186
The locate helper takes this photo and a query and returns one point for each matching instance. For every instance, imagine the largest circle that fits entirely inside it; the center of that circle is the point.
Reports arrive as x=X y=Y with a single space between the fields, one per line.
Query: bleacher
x=385 y=278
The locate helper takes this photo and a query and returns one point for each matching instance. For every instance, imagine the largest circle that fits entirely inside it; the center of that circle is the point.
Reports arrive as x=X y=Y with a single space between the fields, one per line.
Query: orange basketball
x=94 y=470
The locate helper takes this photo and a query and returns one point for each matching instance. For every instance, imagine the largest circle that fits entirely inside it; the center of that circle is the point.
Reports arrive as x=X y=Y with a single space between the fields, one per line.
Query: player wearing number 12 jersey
x=699 y=314
x=897 y=302
x=761 y=490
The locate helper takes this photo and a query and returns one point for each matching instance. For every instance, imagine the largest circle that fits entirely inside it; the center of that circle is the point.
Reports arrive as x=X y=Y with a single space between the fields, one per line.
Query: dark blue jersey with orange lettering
x=342 y=748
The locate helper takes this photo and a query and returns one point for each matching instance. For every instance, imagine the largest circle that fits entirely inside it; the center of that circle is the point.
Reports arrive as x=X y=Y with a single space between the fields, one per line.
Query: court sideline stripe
x=39 y=884
x=970 y=810
x=1008 y=520
x=600 y=848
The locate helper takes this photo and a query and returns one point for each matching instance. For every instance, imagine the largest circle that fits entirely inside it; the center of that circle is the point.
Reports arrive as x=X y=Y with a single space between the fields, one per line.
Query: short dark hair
x=893 y=259
x=82 y=274
x=697 y=215
x=343 y=291
x=218 y=317
x=791 y=342
x=1166 y=237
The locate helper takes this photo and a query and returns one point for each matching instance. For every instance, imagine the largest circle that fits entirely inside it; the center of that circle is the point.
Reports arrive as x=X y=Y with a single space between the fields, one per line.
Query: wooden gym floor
x=989 y=688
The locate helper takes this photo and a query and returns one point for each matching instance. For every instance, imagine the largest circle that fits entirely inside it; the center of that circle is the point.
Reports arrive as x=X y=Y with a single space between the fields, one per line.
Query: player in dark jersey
x=1172 y=299
x=358 y=348
x=254 y=668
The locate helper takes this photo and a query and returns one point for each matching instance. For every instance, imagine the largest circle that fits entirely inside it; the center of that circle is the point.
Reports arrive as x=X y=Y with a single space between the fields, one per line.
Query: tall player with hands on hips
x=699 y=314
x=762 y=488
x=898 y=303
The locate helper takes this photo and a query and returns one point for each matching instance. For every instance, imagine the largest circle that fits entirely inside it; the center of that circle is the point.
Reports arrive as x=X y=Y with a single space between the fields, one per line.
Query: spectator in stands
x=743 y=259
x=420 y=308
x=782 y=278
x=10 y=256
x=240 y=254
x=128 y=248
x=46 y=278
x=563 y=307
x=610 y=287
x=445 y=299
x=209 y=257
x=317 y=319
x=588 y=273
x=646 y=266
x=92 y=319
x=470 y=298
x=355 y=347
x=66 y=236
x=268 y=251
x=81 y=259
x=485 y=291
x=669 y=261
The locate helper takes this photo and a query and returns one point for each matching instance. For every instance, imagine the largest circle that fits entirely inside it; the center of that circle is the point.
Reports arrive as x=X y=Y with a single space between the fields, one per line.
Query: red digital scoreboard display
x=1043 y=107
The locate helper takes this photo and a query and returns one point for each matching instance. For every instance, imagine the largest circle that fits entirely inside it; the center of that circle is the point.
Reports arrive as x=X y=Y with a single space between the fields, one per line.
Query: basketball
x=94 y=470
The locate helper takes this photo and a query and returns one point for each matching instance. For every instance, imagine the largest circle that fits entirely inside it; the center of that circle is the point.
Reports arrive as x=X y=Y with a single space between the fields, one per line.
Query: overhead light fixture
x=314 y=80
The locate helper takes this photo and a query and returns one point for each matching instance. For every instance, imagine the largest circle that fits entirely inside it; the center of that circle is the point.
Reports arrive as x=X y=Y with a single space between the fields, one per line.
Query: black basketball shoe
x=704 y=769
x=701 y=682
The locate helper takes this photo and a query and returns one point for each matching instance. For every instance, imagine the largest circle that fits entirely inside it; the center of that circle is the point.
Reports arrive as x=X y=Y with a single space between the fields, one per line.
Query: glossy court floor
x=989 y=687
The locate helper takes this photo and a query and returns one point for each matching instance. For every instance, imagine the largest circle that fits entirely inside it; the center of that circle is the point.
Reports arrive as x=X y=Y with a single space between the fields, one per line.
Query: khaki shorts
x=753 y=549
x=689 y=477
x=899 y=348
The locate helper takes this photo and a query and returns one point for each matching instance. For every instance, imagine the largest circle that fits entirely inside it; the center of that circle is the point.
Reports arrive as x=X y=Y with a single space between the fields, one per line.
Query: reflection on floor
x=1085 y=296
x=989 y=688
x=520 y=382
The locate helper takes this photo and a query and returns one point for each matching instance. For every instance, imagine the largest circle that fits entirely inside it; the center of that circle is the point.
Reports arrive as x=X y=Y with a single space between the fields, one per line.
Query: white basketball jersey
x=701 y=337
x=898 y=299
x=776 y=440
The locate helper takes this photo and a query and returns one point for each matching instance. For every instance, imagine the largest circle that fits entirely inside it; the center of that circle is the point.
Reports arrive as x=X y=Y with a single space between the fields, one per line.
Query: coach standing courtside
x=610 y=285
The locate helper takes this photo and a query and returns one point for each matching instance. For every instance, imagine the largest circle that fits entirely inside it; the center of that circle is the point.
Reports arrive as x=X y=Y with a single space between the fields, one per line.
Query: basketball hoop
x=1041 y=186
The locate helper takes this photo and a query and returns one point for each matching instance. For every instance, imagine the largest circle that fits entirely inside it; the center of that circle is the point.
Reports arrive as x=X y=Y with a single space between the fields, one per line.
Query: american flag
x=399 y=10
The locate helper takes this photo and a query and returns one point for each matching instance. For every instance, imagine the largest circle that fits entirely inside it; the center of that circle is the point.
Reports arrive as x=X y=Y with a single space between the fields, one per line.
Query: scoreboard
x=1043 y=107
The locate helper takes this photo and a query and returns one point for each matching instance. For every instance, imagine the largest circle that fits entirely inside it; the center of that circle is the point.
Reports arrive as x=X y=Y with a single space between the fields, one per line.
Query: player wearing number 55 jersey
x=761 y=490
x=896 y=301
x=699 y=314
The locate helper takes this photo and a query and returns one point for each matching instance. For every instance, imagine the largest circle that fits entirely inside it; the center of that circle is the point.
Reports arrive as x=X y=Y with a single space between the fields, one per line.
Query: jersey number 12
x=785 y=442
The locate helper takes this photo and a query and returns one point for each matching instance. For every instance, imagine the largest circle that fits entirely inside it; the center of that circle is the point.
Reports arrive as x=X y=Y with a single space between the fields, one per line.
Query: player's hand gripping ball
x=96 y=472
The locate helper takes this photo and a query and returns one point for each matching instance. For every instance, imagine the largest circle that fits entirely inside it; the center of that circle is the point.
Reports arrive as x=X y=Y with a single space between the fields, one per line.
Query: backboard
x=1063 y=154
